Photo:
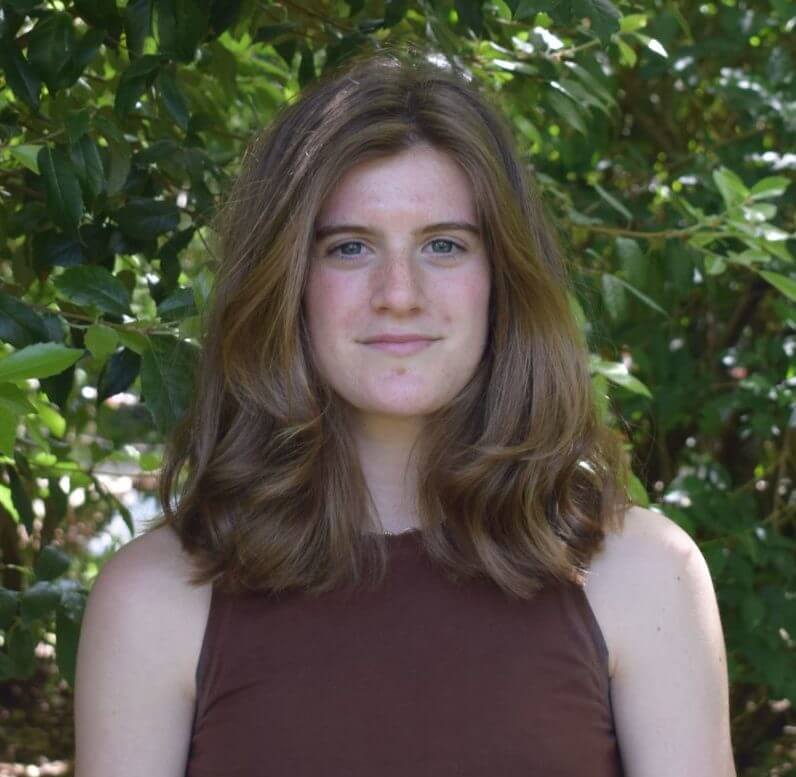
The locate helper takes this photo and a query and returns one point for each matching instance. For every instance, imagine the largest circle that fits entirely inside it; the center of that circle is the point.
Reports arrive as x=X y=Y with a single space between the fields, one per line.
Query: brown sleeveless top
x=420 y=677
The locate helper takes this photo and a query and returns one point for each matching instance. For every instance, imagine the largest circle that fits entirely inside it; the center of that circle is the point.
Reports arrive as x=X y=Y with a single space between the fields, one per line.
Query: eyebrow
x=447 y=226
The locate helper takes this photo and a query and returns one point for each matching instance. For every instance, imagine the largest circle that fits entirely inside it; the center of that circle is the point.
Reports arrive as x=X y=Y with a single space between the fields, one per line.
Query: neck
x=388 y=464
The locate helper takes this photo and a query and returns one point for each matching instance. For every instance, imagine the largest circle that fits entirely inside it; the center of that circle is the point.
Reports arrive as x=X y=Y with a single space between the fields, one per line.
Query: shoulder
x=649 y=537
x=637 y=567
x=653 y=595
x=134 y=679
x=145 y=587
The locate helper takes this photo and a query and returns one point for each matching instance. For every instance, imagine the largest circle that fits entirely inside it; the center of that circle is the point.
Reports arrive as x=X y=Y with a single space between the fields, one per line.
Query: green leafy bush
x=662 y=134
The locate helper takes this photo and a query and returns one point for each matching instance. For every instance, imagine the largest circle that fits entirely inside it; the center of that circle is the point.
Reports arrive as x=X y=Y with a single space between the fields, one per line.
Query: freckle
x=678 y=577
x=658 y=629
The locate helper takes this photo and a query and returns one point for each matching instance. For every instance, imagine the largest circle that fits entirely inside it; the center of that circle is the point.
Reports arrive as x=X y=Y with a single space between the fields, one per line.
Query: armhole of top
x=599 y=640
x=207 y=663
x=589 y=618
x=594 y=627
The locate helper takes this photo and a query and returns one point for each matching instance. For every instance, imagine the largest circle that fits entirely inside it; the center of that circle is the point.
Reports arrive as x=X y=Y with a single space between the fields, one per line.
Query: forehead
x=418 y=182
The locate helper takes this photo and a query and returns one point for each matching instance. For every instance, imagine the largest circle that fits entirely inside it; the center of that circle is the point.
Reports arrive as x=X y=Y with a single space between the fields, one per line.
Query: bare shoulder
x=654 y=598
x=153 y=569
x=649 y=547
x=139 y=642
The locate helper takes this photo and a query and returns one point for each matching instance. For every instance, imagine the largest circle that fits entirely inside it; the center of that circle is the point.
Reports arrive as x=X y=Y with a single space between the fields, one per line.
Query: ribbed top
x=421 y=677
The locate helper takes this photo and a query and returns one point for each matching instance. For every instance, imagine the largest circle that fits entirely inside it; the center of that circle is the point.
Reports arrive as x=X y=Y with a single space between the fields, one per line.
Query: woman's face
x=397 y=252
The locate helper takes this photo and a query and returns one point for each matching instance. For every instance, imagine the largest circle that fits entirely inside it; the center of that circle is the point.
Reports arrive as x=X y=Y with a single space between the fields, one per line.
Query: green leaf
x=627 y=55
x=653 y=44
x=8 y=607
x=715 y=264
x=632 y=22
x=613 y=202
x=172 y=97
x=203 y=283
x=731 y=187
x=225 y=13
x=77 y=124
x=21 y=649
x=470 y=15
x=635 y=267
x=51 y=43
x=137 y=24
x=759 y=213
x=100 y=13
x=643 y=297
x=49 y=416
x=21 y=501
x=577 y=311
x=134 y=81
x=38 y=600
x=617 y=373
x=566 y=109
x=748 y=258
x=20 y=325
x=119 y=372
x=613 y=293
x=8 y=433
x=68 y=617
x=101 y=340
x=64 y=199
x=94 y=285
x=178 y=305
x=394 y=11
x=51 y=562
x=14 y=400
x=85 y=51
x=773 y=186
x=120 y=154
x=786 y=285
x=167 y=370
x=603 y=16
x=23 y=6
x=87 y=163
x=38 y=361
x=637 y=491
x=20 y=76
x=180 y=25
x=26 y=154
x=145 y=219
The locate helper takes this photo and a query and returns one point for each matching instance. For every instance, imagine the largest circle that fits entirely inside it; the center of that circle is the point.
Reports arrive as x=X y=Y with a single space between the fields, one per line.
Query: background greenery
x=663 y=136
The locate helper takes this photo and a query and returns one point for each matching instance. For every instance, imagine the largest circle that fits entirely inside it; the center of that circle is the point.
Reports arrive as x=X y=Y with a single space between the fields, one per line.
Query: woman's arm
x=134 y=695
x=670 y=688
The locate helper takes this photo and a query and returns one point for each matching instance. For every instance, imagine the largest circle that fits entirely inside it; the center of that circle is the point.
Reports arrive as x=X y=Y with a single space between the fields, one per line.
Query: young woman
x=403 y=545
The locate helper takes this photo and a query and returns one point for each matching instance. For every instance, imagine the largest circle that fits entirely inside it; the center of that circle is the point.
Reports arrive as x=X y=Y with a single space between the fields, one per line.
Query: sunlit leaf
x=786 y=285
x=38 y=361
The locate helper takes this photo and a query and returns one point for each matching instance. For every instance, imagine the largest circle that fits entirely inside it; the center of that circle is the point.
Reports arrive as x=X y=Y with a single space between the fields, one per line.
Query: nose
x=397 y=284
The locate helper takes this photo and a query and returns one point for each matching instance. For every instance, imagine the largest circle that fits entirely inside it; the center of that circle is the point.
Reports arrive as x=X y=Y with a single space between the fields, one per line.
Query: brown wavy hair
x=518 y=478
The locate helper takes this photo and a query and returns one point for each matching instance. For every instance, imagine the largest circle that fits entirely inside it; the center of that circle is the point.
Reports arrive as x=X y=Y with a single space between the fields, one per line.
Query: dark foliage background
x=663 y=136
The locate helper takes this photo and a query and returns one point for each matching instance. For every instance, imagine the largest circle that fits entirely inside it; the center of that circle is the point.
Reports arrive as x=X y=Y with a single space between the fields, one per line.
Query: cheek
x=468 y=302
x=329 y=305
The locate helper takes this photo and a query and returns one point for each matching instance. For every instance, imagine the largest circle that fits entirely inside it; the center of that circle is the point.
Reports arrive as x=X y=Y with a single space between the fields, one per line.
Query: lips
x=401 y=347
x=397 y=338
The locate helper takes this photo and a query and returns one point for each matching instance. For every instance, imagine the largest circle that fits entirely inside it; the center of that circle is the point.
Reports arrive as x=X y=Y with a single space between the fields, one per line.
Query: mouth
x=405 y=348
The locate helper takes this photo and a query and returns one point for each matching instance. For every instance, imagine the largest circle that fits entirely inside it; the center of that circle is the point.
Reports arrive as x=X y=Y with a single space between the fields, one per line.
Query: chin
x=404 y=408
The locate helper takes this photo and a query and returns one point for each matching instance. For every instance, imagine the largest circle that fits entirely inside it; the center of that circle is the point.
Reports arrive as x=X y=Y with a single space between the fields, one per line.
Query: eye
x=339 y=251
x=445 y=241
x=333 y=251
